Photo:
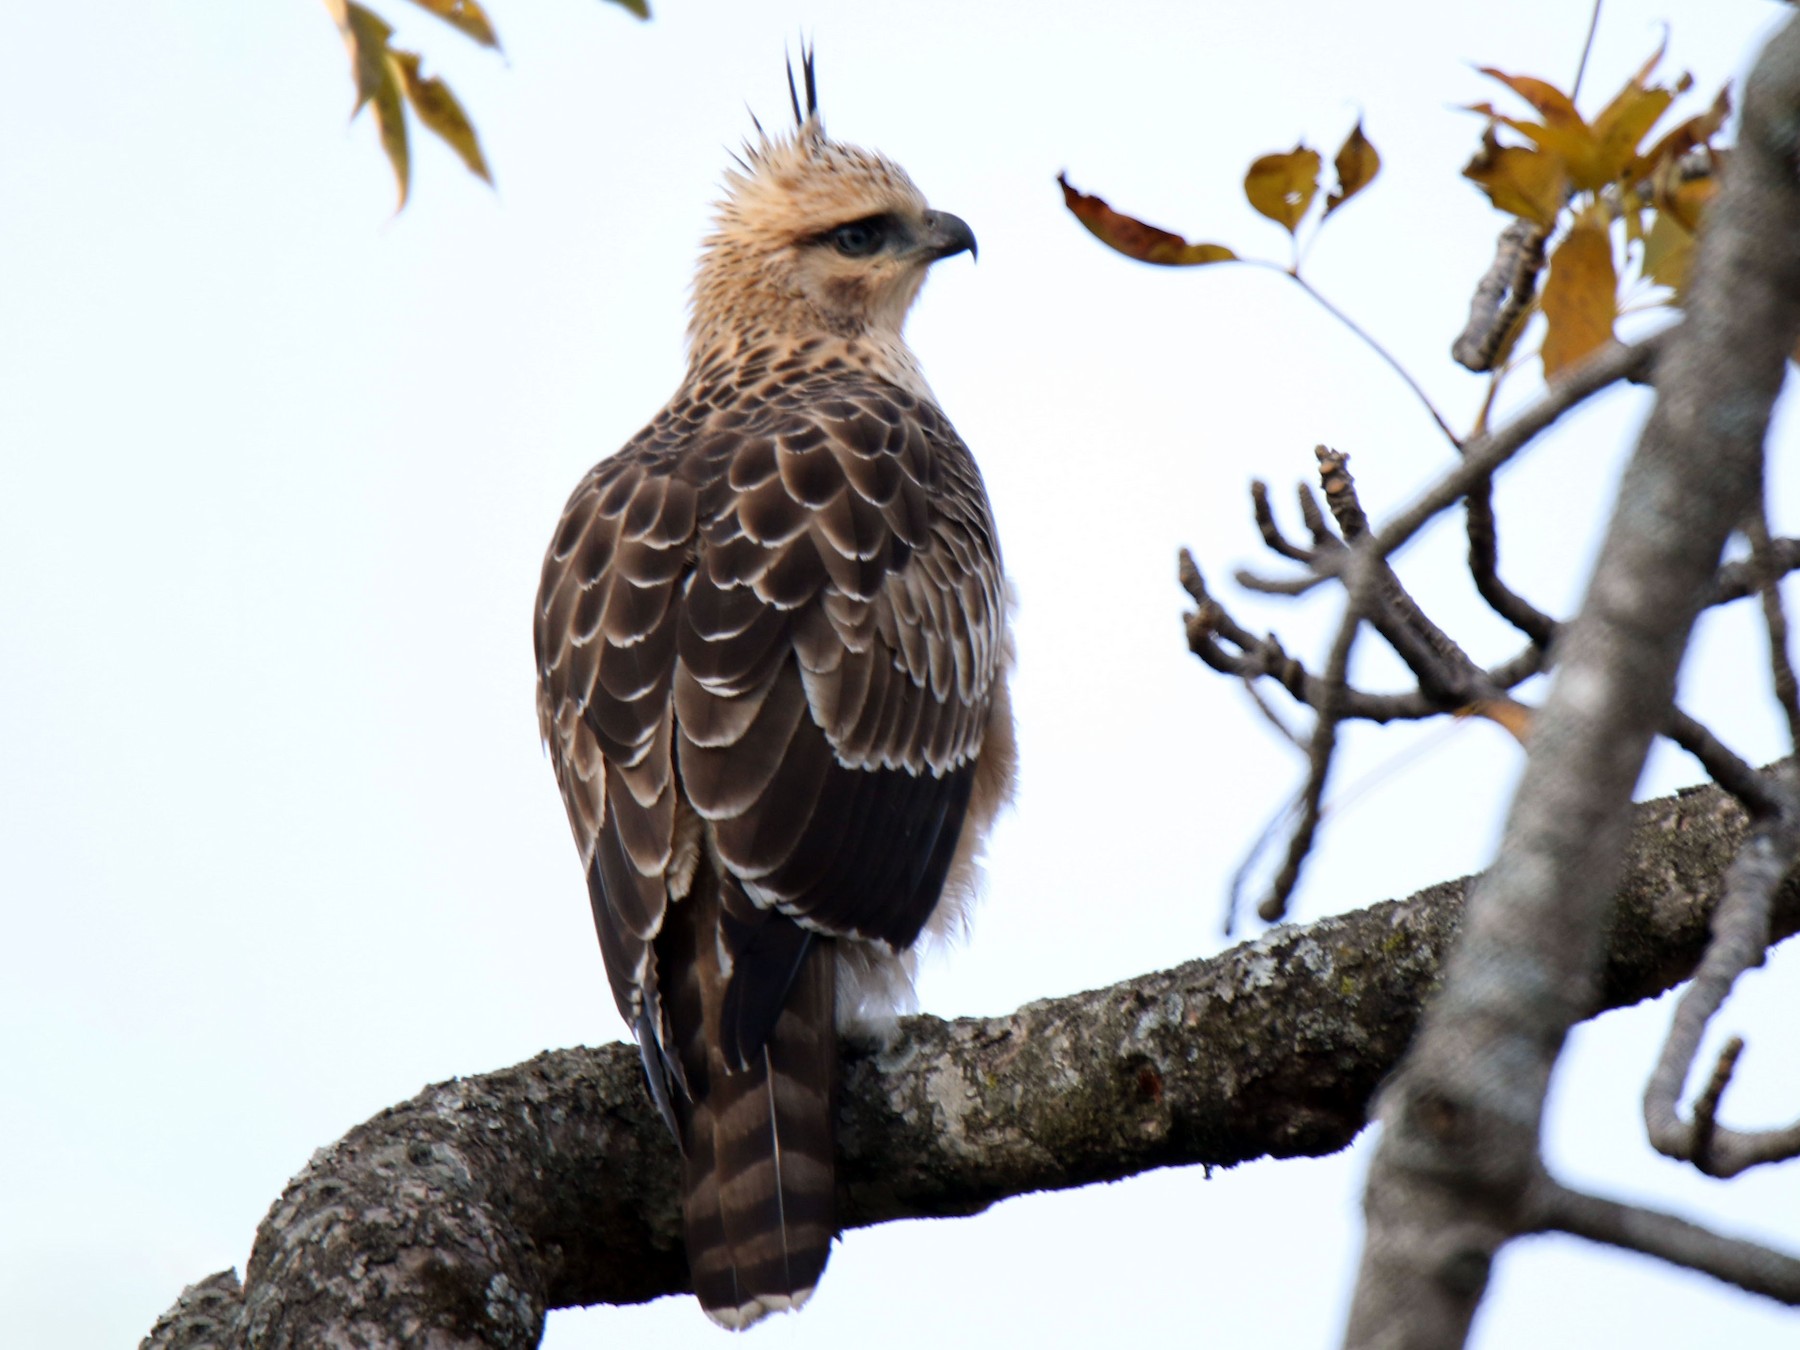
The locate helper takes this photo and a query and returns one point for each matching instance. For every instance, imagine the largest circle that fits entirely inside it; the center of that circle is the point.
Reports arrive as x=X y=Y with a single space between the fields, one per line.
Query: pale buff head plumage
x=814 y=237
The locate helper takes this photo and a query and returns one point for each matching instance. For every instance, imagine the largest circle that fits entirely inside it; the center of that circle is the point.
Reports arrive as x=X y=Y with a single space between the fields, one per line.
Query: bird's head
x=816 y=237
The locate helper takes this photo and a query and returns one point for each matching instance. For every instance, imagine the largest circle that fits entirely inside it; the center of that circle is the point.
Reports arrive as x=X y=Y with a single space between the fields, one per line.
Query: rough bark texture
x=458 y=1218
x=1459 y=1163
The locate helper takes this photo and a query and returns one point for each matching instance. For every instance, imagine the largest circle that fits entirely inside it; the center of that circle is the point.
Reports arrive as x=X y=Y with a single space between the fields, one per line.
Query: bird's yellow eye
x=858 y=239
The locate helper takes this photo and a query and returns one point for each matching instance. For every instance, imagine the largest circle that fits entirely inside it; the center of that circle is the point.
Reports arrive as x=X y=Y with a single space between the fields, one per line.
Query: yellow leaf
x=1283 y=186
x=441 y=113
x=1134 y=238
x=366 y=34
x=1528 y=183
x=1357 y=163
x=1668 y=252
x=390 y=120
x=1581 y=296
x=1549 y=101
x=1562 y=133
x=465 y=16
x=1686 y=136
x=1622 y=124
x=1687 y=199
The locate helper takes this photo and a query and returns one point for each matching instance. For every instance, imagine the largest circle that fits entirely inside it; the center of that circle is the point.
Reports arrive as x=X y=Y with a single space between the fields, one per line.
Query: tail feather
x=760 y=1192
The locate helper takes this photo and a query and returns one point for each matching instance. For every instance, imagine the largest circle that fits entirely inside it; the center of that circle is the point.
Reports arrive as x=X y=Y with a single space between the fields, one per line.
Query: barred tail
x=760 y=1184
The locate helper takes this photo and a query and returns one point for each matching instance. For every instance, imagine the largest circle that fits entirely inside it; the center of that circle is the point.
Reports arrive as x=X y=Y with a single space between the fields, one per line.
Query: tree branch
x=1452 y=1178
x=1748 y=1265
x=481 y=1203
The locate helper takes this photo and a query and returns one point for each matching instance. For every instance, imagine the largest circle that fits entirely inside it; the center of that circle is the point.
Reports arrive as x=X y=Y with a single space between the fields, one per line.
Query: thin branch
x=1740 y=938
x=1724 y=767
x=1271 y=531
x=1367 y=339
x=1357 y=587
x=1748 y=1265
x=1787 y=692
x=1263 y=656
x=1484 y=455
x=1739 y=579
x=1387 y=356
x=1587 y=48
x=1484 y=568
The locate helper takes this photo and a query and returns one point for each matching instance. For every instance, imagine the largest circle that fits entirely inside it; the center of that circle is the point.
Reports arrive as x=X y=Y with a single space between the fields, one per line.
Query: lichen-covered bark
x=458 y=1218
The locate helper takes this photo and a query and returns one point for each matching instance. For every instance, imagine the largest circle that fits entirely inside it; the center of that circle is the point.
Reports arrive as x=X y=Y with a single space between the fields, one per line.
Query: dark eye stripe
x=860 y=238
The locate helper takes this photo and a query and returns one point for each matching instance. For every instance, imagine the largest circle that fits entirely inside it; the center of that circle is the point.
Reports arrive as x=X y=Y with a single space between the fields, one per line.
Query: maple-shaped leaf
x=1530 y=184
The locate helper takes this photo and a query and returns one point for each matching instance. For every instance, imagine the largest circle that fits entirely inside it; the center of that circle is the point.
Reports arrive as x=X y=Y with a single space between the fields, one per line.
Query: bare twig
x=1706 y=1105
x=1787 y=692
x=1358 y=585
x=1484 y=568
x=1587 y=50
x=1271 y=531
x=1722 y=766
x=1483 y=456
x=1740 y=937
x=1739 y=579
x=1748 y=1265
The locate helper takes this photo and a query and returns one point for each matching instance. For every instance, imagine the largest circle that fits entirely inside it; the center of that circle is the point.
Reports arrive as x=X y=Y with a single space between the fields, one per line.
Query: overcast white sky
x=278 y=845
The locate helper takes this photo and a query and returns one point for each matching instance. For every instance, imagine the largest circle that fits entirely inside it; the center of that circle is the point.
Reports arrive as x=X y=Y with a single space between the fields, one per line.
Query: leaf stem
x=1371 y=343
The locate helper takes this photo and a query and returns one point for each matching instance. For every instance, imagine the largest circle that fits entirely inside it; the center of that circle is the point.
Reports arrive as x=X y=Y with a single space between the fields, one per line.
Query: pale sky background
x=278 y=844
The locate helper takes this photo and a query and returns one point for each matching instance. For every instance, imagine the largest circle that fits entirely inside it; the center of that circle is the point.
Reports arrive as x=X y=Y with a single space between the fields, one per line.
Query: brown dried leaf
x=641 y=8
x=1134 y=238
x=1528 y=183
x=441 y=113
x=1581 y=297
x=1504 y=712
x=1357 y=163
x=465 y=16
x=1283 y=186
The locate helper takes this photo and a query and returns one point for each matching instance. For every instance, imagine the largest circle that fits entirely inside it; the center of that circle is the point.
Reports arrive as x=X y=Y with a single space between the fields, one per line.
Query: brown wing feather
x=770 y=636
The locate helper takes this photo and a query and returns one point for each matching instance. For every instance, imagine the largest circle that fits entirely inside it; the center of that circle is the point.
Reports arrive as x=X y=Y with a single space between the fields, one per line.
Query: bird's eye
x=858 y=239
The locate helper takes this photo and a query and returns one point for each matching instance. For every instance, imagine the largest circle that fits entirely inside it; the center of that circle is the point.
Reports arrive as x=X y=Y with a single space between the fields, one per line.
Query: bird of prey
x=772 y=655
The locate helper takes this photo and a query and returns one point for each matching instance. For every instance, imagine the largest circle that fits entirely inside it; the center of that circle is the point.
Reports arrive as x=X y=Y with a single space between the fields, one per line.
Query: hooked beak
x=946 y=236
